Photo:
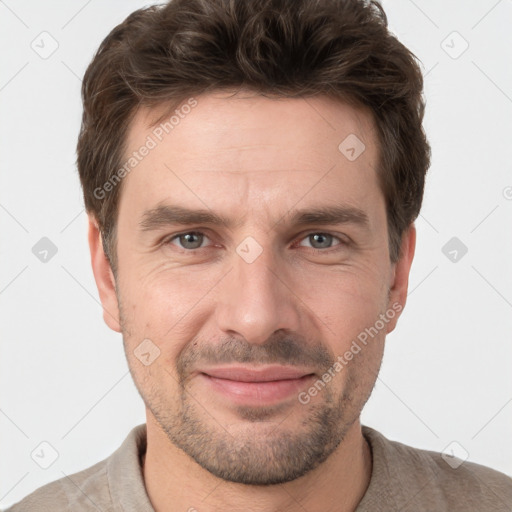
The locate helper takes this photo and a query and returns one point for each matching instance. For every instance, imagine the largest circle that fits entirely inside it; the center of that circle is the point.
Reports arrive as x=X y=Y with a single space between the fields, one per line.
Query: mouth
x=257 y=386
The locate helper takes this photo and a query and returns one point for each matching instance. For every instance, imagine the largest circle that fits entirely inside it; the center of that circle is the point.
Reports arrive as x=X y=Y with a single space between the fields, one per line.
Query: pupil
x=189 y=240
x=318 y=239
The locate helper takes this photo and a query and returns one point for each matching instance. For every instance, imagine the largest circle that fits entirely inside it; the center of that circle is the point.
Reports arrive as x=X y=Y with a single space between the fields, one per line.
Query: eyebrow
x=166 y=215
x=331 y=215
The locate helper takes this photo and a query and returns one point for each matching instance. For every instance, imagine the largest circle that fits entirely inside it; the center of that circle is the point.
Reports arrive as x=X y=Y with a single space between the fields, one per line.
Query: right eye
x=191 y=240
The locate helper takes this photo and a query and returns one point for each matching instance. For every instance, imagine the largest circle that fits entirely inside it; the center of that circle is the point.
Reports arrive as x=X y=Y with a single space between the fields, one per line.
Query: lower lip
x=258 y=393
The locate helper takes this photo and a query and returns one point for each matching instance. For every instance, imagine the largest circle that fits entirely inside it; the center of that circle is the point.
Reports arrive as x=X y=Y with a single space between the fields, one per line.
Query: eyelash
x=342 y=242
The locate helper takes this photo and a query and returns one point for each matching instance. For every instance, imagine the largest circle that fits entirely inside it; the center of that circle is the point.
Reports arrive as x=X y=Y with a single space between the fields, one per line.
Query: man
x=252 y=170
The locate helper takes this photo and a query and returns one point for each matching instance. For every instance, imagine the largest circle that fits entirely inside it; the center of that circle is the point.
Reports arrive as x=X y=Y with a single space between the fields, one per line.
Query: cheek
x=346 y=299
x=165 y=307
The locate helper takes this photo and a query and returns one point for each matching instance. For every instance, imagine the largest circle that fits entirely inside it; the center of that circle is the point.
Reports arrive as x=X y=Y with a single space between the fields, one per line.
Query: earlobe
x=103 y=276
x=400 y=275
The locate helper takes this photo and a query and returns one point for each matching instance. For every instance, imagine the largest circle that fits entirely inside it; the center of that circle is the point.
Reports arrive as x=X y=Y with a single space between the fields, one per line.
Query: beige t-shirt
x=403 y=479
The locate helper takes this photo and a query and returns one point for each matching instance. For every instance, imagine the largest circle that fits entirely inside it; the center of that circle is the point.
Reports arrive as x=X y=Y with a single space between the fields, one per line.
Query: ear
x=104 y=277
x=399 y=281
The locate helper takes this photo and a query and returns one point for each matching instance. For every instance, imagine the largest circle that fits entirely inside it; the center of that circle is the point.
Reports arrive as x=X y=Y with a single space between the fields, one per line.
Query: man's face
x=271 y=286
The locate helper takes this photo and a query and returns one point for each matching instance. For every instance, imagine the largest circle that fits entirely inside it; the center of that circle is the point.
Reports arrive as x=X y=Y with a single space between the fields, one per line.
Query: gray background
x=446 y=371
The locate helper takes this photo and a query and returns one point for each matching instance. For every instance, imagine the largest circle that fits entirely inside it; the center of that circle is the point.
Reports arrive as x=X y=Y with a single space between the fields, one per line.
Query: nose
x=255 y=300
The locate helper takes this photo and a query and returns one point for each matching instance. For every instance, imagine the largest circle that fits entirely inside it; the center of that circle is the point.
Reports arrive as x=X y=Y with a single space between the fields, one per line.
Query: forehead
x=252 y=150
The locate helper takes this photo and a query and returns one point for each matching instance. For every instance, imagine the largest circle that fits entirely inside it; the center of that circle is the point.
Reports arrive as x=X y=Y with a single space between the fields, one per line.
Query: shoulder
x=427 y=480
x=84 y=490
x=115 y=481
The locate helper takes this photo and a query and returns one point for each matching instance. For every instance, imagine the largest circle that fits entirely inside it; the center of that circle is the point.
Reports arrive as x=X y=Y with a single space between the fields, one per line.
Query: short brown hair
x=161 y=55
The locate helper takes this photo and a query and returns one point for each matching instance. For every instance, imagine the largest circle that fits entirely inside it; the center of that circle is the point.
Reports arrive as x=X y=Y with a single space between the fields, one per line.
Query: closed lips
x=266 y=374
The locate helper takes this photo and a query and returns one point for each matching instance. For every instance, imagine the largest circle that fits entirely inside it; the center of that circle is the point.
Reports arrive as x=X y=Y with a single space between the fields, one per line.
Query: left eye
x=321 y=240
x=190 y=240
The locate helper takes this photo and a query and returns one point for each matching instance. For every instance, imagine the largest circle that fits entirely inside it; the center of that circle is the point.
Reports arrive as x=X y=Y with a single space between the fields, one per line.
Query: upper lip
x=256 y=374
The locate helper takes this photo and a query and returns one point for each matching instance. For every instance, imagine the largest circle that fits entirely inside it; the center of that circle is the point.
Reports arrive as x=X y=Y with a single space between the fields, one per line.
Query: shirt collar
x=124 y=473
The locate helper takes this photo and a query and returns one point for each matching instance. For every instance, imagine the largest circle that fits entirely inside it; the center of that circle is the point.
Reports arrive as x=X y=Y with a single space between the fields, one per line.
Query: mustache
x=286 y=350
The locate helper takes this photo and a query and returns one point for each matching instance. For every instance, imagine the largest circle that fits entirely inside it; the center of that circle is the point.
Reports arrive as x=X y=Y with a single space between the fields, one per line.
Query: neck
x=174 y=481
